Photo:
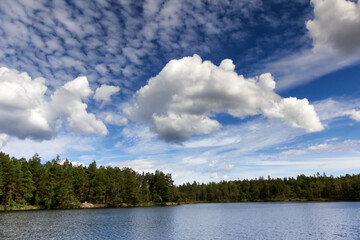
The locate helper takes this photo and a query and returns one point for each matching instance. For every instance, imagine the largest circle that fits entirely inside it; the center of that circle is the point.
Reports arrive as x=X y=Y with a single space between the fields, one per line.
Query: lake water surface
x=340 y=220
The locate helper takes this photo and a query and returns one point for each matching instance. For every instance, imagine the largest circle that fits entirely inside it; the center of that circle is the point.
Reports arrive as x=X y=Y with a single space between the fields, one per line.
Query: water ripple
x=199 y=221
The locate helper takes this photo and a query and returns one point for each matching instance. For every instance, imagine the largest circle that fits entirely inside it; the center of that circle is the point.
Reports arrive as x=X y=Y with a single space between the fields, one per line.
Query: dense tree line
x=311 y=188
x=54 y=185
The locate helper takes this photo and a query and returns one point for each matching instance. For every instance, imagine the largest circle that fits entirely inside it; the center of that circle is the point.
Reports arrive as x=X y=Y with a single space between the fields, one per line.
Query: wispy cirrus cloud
x=332 y=108
x=334 y=31
x=67 y=145
x=252 y=136
x=322 y=148
x=140 y=165
x=302 y=67
x=354 y=114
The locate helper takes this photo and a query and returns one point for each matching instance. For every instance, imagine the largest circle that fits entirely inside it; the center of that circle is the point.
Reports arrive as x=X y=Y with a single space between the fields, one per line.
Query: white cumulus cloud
x=67 y=103
x=181 y=99
x=27 y=112
x=104 y=92
x=336 y=25
x=22 y=105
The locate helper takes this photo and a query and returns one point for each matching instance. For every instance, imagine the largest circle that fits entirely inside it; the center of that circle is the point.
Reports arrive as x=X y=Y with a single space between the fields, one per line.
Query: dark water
x=199 y=221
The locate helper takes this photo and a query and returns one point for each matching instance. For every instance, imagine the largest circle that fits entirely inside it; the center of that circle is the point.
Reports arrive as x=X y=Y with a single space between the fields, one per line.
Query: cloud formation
x=354 y=114
x=27 y=112
x=332 y=108
x=324 y=148
x=194 y=160
x=3 y=139
x=104 y=92
x=67 y=103
x=115 y=119
x=182 y=98
x=59 y=39
x=336 y=25
x=22 y=105
x=73 y=163
x=139 y=165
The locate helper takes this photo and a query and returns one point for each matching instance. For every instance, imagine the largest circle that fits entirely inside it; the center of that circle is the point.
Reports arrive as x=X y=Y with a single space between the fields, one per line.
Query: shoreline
x=101 y=206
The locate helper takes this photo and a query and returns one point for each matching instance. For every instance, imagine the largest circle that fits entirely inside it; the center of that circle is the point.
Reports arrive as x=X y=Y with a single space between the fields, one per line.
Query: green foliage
x=303 y=188
x=53 y=185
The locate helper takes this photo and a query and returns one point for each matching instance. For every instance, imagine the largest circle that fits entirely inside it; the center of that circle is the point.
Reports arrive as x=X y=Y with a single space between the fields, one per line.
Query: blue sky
x=205 y=90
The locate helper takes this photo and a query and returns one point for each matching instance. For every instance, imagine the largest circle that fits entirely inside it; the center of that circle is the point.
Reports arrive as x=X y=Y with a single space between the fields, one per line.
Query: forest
x=53 y=185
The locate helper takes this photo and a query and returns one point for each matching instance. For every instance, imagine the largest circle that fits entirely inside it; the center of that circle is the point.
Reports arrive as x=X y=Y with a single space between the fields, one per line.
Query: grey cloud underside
x=181 y=99
x=336 y=26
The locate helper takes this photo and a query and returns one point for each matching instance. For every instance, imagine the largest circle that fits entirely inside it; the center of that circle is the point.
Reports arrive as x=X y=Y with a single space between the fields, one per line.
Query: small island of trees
x=53 y=185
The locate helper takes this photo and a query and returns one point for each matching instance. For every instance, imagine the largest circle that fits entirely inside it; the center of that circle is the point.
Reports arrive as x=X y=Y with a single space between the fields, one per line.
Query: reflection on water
x=200 y=221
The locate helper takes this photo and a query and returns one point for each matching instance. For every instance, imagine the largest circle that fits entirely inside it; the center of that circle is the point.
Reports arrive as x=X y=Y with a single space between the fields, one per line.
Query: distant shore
x=34 y=207
x=150 y=204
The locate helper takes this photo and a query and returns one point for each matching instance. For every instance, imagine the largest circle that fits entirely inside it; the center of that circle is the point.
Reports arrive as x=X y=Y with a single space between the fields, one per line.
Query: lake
x=310 y=220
